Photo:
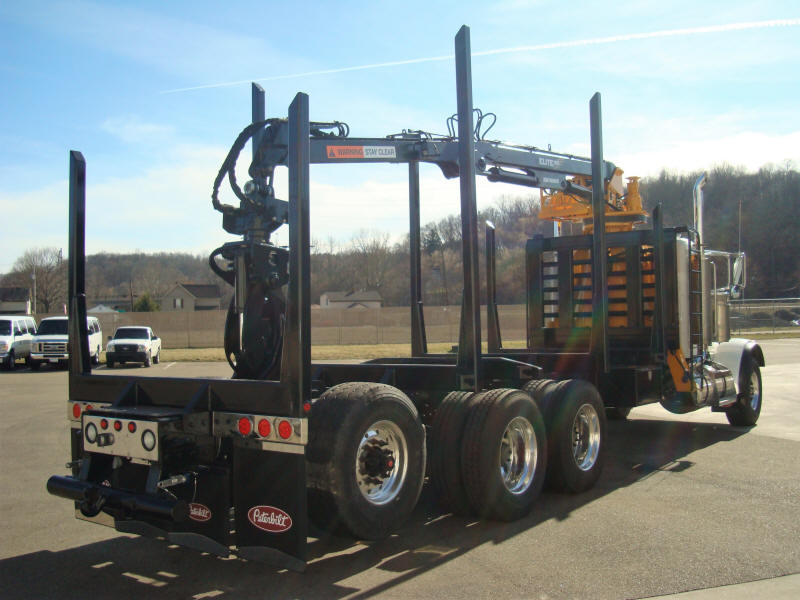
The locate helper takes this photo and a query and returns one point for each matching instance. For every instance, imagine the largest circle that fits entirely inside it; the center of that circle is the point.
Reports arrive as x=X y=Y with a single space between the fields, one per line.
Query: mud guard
x=269 y=490
x=732 y=352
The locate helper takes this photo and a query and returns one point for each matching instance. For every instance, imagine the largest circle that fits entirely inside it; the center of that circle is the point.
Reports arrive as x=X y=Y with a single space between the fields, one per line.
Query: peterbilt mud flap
x=271 y=515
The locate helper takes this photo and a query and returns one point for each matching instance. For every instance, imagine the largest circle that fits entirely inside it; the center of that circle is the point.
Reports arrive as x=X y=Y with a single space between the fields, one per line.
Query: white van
x=50 y=343
x=16 y=337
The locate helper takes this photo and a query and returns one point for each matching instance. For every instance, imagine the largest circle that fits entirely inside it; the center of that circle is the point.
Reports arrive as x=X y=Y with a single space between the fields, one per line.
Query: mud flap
x=270 y=506
x=207 y=528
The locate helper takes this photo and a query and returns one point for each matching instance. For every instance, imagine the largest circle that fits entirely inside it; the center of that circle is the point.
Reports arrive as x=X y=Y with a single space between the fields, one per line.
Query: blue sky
x=685 y=85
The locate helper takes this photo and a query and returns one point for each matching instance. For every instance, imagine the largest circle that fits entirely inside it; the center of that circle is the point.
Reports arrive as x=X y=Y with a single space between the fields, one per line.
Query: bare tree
x=43 y=270
x=373 y=257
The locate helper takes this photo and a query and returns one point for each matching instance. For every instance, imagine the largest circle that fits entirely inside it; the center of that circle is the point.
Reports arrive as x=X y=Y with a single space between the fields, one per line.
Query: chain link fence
x=779 y=315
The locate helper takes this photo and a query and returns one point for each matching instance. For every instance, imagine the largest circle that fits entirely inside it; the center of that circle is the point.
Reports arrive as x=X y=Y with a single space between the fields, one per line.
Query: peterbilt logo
x=269 y=518
x=199 y=512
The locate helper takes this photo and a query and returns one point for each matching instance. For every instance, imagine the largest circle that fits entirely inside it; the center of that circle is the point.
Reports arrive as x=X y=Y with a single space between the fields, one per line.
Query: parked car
x=133 y=344
x=16 y=337
x=50 y=342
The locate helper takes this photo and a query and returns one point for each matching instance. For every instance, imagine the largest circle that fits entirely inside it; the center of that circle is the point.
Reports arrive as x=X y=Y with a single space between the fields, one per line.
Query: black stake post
x=469 y=340
x=599 y=254
x=419 y=343
x=296 y=360
x=76 y=290
x=495 y=342
x=259 y=114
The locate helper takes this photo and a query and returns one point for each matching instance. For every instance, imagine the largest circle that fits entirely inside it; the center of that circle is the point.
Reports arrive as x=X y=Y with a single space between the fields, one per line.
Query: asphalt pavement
x=686 y=505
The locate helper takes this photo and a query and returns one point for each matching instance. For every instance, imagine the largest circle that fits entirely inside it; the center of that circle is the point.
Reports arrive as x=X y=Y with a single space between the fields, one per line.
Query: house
x=116 y=303
x=101 y=309
x=363 y=299
x=15 y=301
x=192 y=296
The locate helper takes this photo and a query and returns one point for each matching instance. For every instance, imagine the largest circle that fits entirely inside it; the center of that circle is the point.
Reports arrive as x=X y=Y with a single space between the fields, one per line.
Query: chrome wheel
x=586 y=437
x=518 y=455
x=754 y=391
x=381 y=462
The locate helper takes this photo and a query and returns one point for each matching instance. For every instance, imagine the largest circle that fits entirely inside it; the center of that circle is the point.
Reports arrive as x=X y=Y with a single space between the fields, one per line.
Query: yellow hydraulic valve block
x=623 y=206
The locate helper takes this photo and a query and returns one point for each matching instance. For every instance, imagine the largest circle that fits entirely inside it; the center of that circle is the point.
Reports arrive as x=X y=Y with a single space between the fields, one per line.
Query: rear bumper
x=91 y=496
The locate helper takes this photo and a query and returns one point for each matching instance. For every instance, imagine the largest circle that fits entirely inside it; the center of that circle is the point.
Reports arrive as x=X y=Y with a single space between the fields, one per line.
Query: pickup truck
x=133 y=344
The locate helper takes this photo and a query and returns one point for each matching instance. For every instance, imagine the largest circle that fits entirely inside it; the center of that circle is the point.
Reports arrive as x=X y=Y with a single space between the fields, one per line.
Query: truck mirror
x=108 y=338
x=738 y=273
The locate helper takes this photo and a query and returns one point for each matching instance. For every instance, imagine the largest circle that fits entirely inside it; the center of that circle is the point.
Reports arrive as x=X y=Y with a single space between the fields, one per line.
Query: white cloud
x=134 y=130
x=749 y=149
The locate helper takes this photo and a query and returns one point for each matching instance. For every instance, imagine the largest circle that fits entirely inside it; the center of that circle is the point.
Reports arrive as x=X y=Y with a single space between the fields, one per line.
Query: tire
x=576 y=429
x=445 y=452
x=146 y=362
x=10 y=362
x=617 y=413
x=747 y=409
x=157 y=358
x=538 y=389
x=109 y=364
x=96 y=357
x=366 y=459
x=503 y=454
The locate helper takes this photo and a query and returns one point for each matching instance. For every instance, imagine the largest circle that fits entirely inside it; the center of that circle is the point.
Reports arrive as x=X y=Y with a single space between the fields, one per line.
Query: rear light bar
x=76 y=409
x=267 y=429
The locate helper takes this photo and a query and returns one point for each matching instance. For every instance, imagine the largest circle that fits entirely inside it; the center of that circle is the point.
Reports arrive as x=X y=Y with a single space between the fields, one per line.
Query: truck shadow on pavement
x=131 y=567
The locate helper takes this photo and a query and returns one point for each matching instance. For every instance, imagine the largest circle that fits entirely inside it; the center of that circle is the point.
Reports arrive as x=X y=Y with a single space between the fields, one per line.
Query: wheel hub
x=381 y=462
x=586 y=437
x=518 y=455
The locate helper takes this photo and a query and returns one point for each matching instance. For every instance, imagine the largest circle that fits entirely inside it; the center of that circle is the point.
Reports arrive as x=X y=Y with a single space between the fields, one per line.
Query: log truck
x=617 y=317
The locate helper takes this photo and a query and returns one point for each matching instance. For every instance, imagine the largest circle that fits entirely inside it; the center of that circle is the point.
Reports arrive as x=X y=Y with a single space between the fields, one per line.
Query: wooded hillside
x=757 y=212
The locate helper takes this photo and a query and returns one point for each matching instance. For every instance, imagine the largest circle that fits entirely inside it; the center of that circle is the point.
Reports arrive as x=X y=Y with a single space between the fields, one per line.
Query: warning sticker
x=377 y=152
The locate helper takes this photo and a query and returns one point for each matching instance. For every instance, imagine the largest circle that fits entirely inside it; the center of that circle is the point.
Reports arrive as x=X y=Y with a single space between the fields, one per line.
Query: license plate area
x=126 y=434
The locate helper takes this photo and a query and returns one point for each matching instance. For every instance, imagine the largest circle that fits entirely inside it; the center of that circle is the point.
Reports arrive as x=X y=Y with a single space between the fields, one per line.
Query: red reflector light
x=285 y=429
x=132 y=427
x=264 y=428
x=104 y=423
x=76 y=411
x=117 y=425
x=306 y=406
x=88 y=407
x=245 y=426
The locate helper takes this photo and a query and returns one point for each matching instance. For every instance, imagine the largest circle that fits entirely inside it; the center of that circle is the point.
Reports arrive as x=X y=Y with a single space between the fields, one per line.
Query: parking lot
x=685 y=502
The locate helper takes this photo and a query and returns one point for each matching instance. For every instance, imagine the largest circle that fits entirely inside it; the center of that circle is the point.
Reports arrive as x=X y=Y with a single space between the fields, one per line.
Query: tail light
x=245 y=426
x=285 y=429
x=264 y=428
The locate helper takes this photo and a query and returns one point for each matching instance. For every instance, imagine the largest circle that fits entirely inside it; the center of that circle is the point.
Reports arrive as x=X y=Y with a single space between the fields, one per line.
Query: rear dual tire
x=365 y=459
x=576 y=432
x=503 y=454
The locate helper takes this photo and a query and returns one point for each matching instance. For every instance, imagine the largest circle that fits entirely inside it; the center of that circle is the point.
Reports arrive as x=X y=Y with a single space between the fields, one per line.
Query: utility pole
x=34 y=288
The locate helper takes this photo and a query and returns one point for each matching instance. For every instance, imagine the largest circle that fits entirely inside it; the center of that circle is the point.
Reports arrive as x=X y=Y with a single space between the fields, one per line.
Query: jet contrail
x=628 y=37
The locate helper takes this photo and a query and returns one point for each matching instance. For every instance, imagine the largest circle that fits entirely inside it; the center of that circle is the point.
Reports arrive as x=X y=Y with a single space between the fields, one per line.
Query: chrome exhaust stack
x=705 y=295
